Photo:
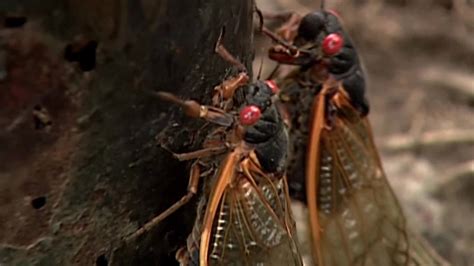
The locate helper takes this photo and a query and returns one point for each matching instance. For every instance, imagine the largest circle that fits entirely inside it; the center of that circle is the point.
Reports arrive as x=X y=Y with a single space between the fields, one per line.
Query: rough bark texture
x=80 y=164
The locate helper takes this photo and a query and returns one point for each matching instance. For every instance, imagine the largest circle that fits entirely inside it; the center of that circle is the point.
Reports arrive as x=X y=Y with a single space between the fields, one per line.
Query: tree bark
x=80 y=164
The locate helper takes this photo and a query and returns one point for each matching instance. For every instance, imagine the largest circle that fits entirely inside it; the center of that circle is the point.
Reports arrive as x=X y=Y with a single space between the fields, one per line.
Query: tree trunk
x=80 y=164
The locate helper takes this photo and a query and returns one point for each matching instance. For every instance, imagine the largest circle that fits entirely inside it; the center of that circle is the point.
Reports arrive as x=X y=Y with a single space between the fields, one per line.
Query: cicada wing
x=251 y=226
x=360 y=217
x=357 y=211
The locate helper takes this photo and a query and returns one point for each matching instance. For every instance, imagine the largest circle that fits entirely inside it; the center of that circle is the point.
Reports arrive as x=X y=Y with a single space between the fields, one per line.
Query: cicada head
x=263 y=126
x=319 y=35
x=257 y=114
x=322 y=45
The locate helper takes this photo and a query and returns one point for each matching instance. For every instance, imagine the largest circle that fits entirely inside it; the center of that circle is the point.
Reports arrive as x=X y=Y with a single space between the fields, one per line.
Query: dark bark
x=80 y=164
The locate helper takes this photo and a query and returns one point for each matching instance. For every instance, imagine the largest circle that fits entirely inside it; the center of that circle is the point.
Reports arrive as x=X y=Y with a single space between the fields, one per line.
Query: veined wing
x=248 y=232
x=360 y=219
x=252 y=224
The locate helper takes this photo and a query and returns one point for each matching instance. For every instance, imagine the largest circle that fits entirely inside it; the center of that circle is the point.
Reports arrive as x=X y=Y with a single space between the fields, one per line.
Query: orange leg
x=192 y=189
x=226 y=89
x=283 y=43
x=196 y=110
x=206 y=152
x=226 y=55
x=182 y=256
x=288 y=30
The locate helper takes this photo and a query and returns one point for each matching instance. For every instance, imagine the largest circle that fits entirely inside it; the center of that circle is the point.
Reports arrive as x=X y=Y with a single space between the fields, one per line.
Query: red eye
x=332 y=44
x=249 y=115
x=273 y=86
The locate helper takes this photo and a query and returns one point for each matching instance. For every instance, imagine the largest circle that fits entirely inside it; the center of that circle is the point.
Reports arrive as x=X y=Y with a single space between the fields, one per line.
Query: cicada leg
x=225 y=54
x=192 y=190
x=285 y=33
x=227 y=88
x=196 y=110
x=182 y=256
x=289 y=28
x=206 y=152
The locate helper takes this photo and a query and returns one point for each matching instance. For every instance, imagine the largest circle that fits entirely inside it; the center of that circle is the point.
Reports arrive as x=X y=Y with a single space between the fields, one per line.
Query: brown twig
x=459 y=81
x=400 y=143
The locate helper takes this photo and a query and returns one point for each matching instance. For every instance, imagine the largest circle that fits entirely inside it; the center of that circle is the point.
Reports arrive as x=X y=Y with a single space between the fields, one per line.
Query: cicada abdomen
x=355 y=217
x=244 y=216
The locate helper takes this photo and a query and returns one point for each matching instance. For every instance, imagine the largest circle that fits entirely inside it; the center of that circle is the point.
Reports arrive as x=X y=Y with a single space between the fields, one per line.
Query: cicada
x=355 y=217
x=243 y=215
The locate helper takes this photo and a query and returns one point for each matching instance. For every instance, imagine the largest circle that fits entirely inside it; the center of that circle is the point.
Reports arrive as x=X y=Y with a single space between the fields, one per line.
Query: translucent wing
x=360 y=219
x=251 y=226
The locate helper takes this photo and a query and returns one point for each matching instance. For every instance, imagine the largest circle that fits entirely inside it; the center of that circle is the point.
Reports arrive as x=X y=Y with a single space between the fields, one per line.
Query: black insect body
x=334 y=166
x=340 y=56
x=267 y=135
x=327 y=48
x=243 y=215
x=252 y=223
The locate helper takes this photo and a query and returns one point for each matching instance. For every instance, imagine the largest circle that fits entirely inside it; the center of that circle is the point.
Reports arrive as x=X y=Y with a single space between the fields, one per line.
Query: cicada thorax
x=243 y=215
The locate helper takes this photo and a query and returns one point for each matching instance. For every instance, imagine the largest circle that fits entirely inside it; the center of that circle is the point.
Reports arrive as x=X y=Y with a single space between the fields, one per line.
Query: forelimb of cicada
x=227 y=88
x=226 y=55
x=284 y=16
x=202 y=153
x=289 y=28
x=192 y=190
x=182 y=256
x=196 y=110
x=279 y=40
x=291 y=21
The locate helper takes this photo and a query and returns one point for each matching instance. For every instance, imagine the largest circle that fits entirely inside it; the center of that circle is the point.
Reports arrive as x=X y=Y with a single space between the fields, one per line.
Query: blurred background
x=80 y=163
x=419 y=57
